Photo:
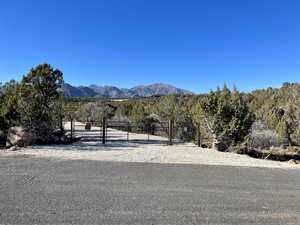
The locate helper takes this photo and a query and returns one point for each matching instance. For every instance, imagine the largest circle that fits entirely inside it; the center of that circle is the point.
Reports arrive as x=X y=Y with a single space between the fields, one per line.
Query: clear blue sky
x=192 y=44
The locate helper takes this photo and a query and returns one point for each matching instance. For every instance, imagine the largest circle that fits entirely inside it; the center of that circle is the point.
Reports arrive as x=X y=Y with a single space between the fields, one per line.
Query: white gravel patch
x=138 y=149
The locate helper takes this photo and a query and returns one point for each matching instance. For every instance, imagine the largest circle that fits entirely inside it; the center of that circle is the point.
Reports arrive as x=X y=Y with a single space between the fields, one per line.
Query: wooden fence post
x=71 y=128
x=170 y=132
x=127 y=133
x=198 y=135
x=103 y=130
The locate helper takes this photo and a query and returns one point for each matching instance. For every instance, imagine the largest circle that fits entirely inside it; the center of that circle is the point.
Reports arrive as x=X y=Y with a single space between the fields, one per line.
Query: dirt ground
x=139 y=149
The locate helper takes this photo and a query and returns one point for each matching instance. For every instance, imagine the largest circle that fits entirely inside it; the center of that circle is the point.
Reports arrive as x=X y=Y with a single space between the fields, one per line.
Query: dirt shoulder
x=139 y=149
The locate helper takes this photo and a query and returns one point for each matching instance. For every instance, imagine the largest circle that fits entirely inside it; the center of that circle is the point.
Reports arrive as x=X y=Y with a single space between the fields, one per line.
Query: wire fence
x=111 y=130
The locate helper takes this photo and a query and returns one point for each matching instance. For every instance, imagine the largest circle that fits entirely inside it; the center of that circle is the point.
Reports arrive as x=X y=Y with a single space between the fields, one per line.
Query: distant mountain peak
x=115 y=92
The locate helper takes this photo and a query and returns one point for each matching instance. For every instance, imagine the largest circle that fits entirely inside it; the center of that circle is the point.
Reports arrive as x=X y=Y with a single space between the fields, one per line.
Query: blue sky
x=192 y=44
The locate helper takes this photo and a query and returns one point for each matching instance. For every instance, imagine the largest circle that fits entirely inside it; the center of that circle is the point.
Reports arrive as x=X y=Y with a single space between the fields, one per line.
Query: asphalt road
x=40 y=191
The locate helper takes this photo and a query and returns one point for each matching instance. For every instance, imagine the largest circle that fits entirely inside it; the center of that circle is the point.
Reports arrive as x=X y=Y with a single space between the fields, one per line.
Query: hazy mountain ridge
x=115 y=92
x=80 y=91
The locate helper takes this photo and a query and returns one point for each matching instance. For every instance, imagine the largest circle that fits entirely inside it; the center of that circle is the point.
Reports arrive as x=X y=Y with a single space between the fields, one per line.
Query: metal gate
x=118 y=131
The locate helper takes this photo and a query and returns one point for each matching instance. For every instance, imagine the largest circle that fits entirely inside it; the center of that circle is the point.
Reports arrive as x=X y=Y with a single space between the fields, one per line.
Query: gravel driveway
x=139 y=149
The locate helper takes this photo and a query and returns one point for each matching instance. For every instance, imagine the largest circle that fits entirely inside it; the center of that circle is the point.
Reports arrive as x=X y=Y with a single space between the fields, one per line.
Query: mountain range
x=115 y=92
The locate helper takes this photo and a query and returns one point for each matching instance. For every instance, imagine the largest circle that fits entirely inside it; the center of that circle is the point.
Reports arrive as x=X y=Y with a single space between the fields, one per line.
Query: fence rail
x=167 y=129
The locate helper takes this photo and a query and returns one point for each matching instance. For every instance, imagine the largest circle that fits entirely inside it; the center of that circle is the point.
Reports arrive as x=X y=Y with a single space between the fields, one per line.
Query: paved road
x=41 y=191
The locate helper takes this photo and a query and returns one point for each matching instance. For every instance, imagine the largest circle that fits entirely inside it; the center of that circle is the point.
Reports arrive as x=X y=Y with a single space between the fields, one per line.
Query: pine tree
x=224 y=115
x=38 y=101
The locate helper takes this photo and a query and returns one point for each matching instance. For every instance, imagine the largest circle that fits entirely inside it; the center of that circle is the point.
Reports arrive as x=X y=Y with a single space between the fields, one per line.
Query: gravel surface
x=139 y=149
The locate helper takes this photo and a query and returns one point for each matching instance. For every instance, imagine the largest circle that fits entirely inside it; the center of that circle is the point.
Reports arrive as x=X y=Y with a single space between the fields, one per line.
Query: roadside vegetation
x=31 y=110
x=263 y=124
x=260 y=123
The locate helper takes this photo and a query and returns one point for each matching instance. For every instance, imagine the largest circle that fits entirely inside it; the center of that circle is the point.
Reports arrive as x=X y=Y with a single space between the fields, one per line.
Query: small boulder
x=18 y=136
x=219 y=146
x=14 y=148
x=293 y=161
x=66 y=139
x=204 y=146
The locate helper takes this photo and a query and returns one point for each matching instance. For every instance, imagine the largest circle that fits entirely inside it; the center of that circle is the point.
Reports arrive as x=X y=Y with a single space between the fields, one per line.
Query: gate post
x=72 y=114
x=103 y=130
x=198 y=135
x=128 y=133
x=71 y=128
x=171 y=132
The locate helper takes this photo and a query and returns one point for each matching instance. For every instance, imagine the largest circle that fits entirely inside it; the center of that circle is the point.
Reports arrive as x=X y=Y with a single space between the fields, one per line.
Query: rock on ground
x=19 y=136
